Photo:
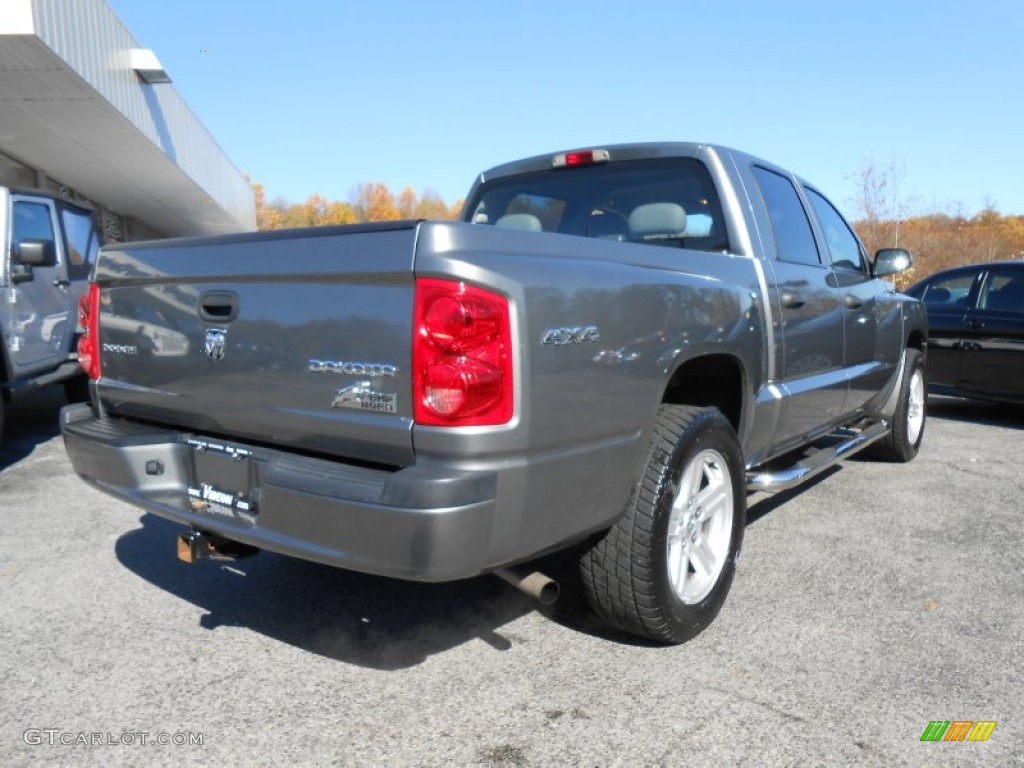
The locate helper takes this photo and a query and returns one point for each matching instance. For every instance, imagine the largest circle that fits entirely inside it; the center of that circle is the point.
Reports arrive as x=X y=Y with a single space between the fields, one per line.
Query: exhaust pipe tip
x=537 y=585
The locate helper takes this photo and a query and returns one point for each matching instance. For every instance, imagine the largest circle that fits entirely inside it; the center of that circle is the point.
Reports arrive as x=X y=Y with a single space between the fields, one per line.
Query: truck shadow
x=29 y=421
x=369 y=621
x=761 y=504
x=976 y=412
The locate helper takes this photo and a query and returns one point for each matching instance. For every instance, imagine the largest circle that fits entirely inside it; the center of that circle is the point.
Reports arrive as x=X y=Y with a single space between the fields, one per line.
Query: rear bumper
x=67 y=370
x=429 y=523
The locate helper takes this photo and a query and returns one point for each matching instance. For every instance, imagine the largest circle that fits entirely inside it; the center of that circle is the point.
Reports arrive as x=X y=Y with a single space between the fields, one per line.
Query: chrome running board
x=818 y=460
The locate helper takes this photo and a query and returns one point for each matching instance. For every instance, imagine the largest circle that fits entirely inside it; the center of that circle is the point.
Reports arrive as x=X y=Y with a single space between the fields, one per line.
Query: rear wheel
x=3 y=407
x=664 y=570
x=904 y=441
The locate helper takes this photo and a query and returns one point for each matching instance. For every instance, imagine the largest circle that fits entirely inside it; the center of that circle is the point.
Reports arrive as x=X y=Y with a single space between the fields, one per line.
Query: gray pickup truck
x=48 y=247
x=611 y=350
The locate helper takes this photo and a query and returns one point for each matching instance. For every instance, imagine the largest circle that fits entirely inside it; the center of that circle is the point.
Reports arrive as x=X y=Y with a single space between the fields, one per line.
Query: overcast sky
x=317 y=96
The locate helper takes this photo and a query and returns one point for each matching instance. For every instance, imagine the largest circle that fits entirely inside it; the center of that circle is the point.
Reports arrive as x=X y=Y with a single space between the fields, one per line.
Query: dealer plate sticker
x=216 y=468
x=206 y=498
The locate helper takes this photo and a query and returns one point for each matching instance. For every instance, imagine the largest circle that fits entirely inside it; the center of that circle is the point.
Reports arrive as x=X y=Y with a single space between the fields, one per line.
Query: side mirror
x=892 y=261
x=35 y=253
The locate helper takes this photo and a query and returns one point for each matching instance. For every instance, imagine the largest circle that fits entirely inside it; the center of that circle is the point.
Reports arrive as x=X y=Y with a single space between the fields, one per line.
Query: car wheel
x=904 y=440
x=665 y=568
x=3 y=407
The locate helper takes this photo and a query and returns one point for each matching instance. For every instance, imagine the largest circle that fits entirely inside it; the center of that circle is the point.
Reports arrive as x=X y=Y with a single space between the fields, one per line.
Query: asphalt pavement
x=877 y=600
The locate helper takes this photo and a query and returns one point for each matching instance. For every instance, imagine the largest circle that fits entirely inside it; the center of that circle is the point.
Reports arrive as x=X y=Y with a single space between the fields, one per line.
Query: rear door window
x=1003 y=291
x=794 y=239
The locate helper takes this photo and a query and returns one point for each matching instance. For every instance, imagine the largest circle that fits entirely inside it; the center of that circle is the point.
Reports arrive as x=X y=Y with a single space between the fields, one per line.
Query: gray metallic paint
x=566 y=463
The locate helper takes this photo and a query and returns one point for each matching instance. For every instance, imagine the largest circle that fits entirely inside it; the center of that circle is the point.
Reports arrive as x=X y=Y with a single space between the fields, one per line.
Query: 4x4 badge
x=216 y=341
x=560 y=337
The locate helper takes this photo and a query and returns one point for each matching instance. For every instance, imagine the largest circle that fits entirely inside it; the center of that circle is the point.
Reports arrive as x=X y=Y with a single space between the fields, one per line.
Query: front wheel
x=904 y=441
x=664 y=569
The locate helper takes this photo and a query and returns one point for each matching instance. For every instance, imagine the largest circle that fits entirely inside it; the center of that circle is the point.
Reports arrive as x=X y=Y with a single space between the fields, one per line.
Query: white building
x=87 y=113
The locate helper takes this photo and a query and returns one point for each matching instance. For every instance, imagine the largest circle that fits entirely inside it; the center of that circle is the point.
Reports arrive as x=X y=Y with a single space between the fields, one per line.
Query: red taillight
x=462 y=355
x=89 y=321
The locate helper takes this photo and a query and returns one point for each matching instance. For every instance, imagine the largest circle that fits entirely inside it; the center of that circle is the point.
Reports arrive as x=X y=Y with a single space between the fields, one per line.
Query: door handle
x=218 y=306
x=852 y=301
x=793 y=300
x=60 y=282
x=975 y=323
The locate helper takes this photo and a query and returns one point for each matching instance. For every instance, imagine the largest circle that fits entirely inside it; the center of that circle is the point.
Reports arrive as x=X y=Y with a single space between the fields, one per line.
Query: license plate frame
x=221 y=480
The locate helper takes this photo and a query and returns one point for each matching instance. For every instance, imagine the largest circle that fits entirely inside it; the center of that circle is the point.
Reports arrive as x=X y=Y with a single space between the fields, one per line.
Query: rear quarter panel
x=595 y=401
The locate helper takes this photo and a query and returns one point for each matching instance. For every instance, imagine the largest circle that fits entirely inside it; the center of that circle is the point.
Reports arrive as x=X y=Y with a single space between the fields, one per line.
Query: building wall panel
x=90 y=37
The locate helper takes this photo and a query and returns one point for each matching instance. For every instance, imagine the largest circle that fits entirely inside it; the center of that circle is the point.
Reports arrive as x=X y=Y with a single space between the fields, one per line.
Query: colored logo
x=958 y=730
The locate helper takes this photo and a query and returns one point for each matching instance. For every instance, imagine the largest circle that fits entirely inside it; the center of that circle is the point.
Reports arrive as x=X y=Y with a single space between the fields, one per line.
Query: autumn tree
x=374 y=202
x=407 y=204
x=367 y=202
x=936 y=240
x=320 y=212
x=267 y=216
x=341 y=213
x=942 y=240
x=431 y=206
x=292 y=216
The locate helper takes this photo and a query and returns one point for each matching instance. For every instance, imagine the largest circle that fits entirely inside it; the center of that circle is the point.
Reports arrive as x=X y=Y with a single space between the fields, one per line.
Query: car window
x=32 y=222
x=548 y=210
x=665 y=202
x=1003 y=291
x=843 y=246
x=83 y=242
x=794 y=240
x=952 y=292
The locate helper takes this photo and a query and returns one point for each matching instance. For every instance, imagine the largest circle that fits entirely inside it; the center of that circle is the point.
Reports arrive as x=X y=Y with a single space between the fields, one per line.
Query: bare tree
x=880 y=203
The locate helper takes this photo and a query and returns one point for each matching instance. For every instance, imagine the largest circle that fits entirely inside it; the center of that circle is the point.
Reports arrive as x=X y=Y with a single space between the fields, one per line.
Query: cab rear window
x=667 y=202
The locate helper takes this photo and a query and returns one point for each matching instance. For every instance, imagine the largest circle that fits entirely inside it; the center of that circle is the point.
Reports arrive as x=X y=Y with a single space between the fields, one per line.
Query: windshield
x=666 y=201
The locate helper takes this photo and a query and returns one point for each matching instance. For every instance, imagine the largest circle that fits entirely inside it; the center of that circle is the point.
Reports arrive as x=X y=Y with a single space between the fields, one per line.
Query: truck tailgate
x=301 y=339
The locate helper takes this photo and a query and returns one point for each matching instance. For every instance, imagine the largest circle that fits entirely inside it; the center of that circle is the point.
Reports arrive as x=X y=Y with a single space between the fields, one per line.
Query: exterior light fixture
x=147 y=66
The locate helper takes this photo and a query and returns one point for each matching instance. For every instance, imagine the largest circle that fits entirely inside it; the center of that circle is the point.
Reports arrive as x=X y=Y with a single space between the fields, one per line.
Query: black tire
x=76 y=389
x=626 y=575
x=3 y=407
x=908 y=421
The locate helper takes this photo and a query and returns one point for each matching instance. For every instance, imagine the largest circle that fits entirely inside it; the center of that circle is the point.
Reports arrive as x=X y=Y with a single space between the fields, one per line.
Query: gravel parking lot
x=878 y=599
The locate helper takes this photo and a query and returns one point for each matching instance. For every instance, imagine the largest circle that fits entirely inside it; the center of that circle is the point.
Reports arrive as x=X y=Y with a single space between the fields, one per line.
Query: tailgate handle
x=218 y=306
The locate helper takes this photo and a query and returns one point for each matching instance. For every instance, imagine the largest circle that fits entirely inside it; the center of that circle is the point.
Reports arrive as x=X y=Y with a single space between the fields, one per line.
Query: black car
x=976 y=330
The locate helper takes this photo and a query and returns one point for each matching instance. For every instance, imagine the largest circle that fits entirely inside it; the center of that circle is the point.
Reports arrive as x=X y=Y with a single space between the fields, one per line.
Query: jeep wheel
x=903 y=442
x=665 y=568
